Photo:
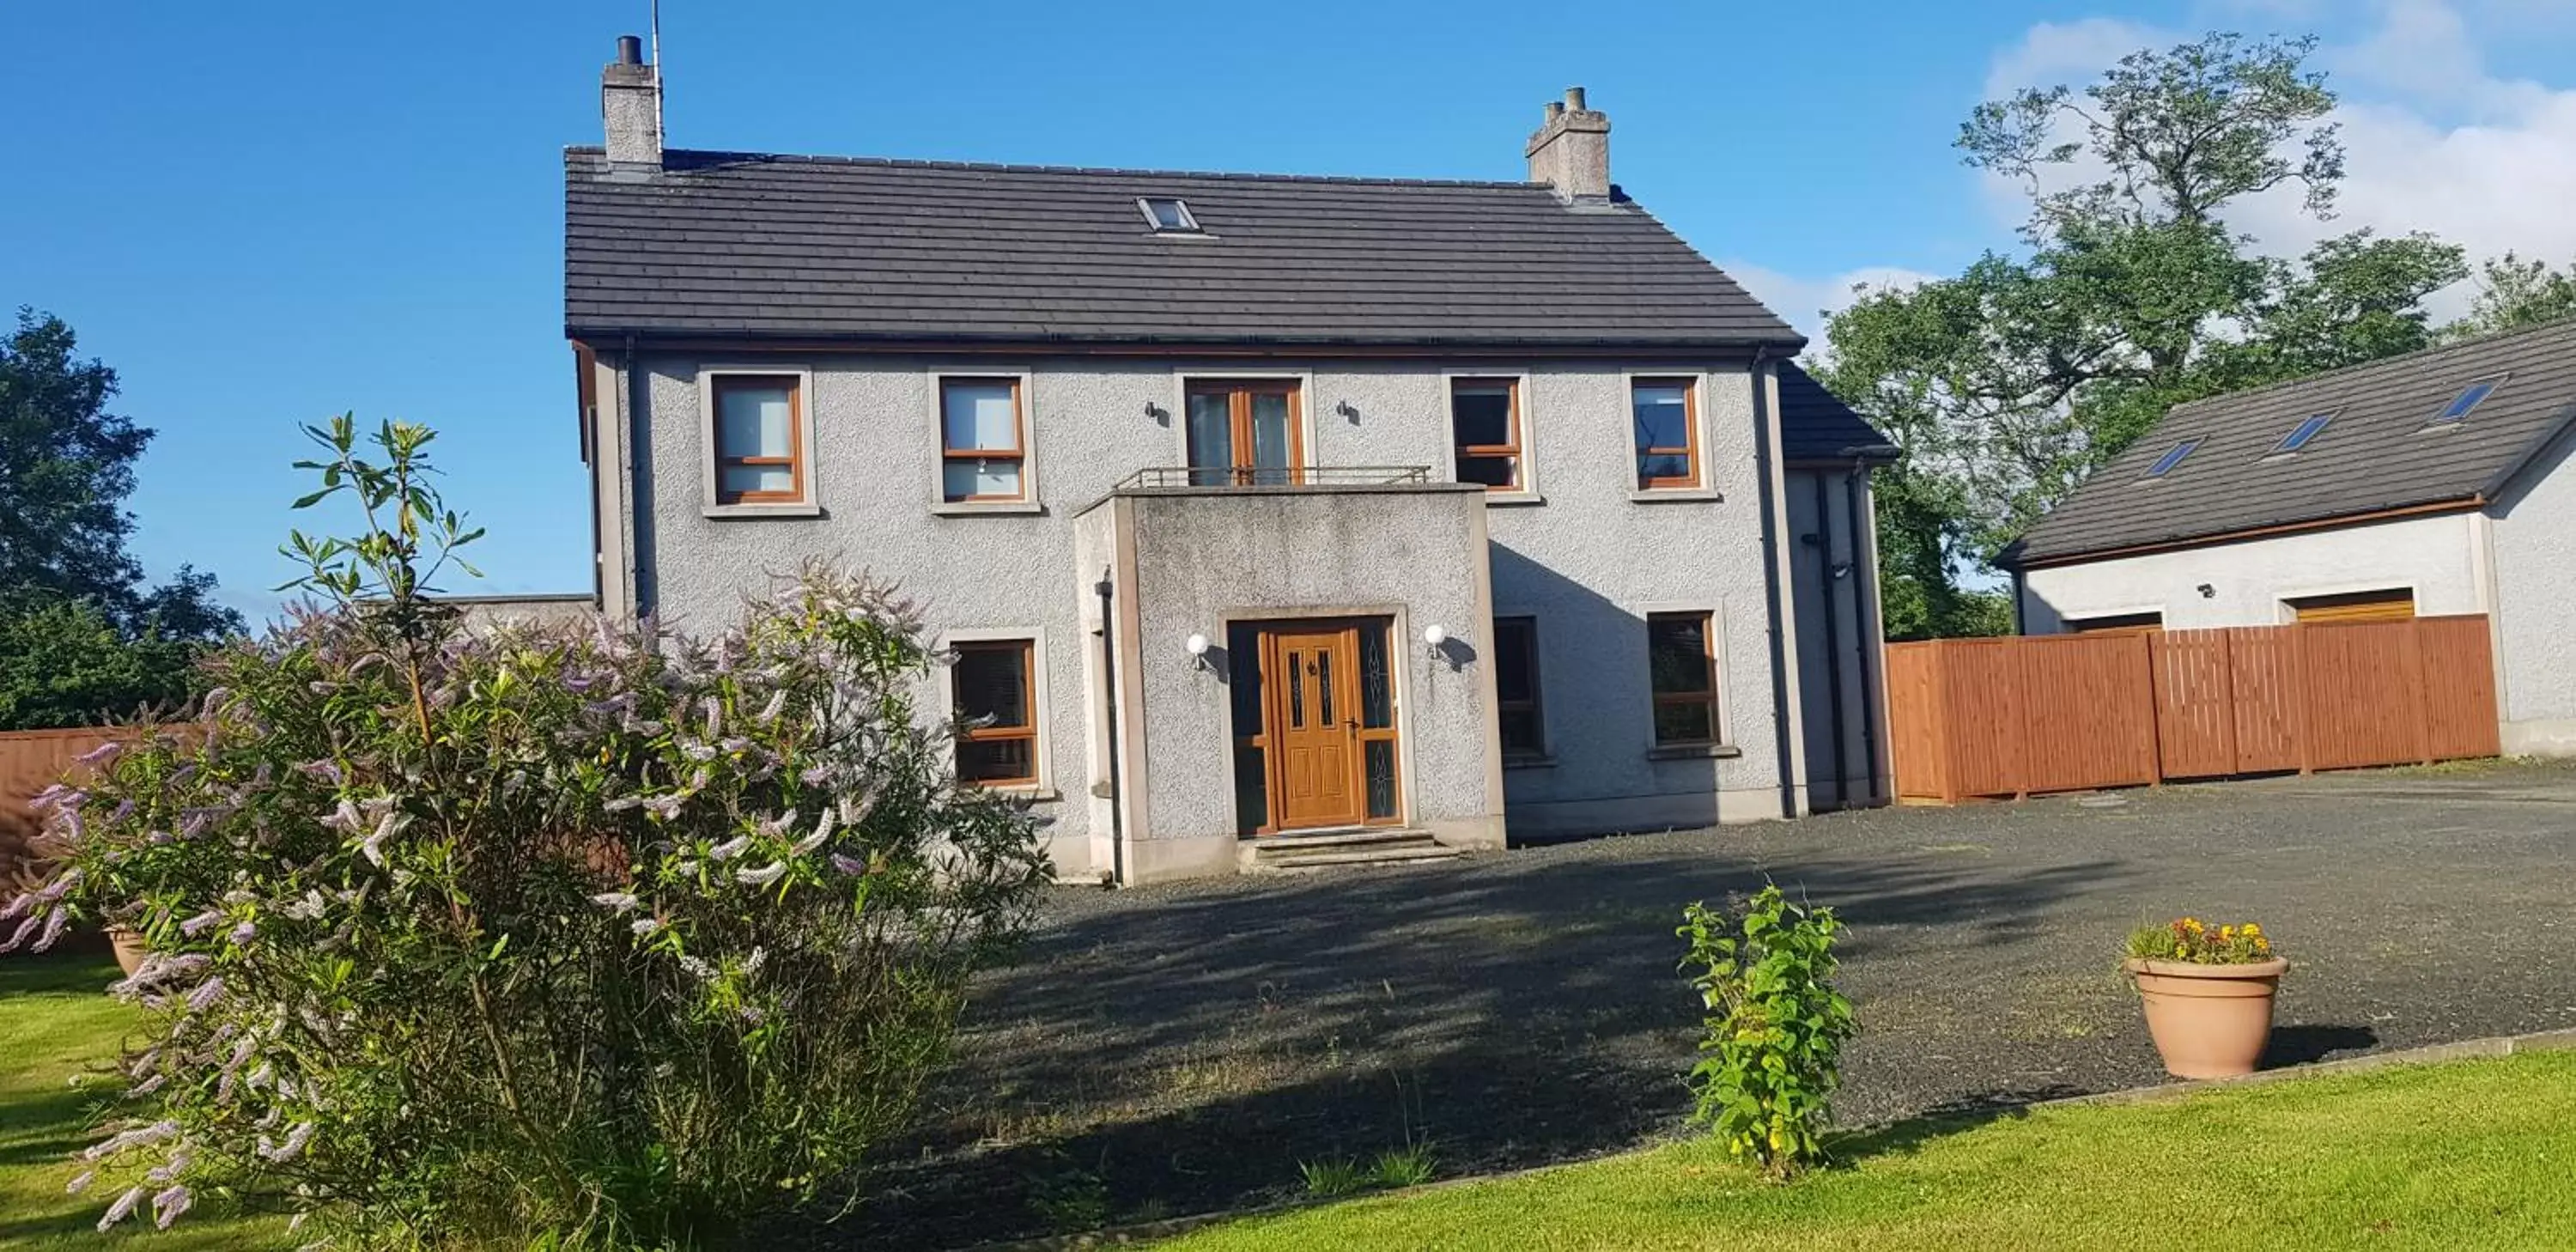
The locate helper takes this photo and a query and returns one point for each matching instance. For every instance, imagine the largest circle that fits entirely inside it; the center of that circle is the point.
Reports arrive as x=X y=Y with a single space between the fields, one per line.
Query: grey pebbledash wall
x=1587 y=555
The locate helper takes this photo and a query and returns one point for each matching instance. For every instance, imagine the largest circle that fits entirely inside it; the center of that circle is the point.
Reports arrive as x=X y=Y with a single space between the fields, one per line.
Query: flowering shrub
x=1771 y=1054
x=2186 y=939
x=573 y=933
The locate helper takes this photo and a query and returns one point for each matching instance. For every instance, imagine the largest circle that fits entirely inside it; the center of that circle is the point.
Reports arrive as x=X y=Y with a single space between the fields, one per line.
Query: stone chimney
x=1571 y=151
x=630 y=99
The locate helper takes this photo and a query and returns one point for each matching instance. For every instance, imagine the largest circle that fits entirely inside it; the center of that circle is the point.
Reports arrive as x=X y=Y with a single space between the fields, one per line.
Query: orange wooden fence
x=2011 y=717
x=30 y=761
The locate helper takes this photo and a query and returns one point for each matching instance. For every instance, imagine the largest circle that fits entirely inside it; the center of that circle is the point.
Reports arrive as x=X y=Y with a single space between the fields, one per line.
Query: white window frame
x=711 y=505
x=1519 y=377
x=1189 y=220
x=1030 y=501
x=1041 y=704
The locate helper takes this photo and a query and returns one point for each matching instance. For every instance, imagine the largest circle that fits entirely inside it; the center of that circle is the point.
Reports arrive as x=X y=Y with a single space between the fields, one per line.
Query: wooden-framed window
x=2387 y=604
x=1665 y=416
x=983 y=440
x=1516 y=690
x=992 y=688
x=2111 y=623
x=1245 y=432
x=1681 y=661
x=759 y=433
x=1485 y=432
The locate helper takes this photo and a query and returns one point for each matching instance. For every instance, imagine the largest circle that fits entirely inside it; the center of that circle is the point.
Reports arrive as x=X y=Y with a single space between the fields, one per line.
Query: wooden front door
x=1312 y=689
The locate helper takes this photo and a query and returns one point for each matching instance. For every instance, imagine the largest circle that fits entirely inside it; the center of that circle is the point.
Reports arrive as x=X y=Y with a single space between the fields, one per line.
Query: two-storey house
x=1346 y=516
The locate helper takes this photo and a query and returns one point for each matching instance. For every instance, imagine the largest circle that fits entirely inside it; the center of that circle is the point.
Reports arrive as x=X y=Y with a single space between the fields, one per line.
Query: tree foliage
x=86 y=638
x=553 y=935
x=2514 y=294
x=2010 y=383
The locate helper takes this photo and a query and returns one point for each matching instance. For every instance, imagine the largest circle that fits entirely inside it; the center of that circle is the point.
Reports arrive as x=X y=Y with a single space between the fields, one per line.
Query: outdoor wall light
x=2206 y=591
x=1434 y=636
x=1197 y=644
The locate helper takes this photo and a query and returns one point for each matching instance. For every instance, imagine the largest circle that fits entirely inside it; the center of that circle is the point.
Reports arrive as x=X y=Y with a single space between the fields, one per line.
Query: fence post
x=1943 y=728
x=2419 y=674
x=2227 y=702
x=2299 y=695
x=2155 y=728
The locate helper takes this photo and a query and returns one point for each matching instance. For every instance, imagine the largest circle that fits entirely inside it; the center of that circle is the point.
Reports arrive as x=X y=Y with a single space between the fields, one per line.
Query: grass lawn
x=56 y=1022
x=2470 y=1154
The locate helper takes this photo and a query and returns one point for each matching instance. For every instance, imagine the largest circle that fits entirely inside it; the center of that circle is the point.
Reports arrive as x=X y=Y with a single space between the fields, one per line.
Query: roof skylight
x=2164 y=464
x=2468 y=399
x=2307 y=431
x=1169 y=214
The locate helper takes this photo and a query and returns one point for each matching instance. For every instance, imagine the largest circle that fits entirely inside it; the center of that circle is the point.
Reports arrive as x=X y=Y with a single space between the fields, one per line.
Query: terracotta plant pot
x=129 y=950
x=2209 y=1021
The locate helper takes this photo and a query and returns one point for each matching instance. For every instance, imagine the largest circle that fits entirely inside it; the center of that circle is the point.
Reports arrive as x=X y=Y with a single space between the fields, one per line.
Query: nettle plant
x=1771 y=1051
x=577 y=933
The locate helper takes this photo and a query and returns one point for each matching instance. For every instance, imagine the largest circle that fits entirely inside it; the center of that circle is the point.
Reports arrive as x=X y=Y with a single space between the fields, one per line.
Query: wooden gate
x=2011 y=717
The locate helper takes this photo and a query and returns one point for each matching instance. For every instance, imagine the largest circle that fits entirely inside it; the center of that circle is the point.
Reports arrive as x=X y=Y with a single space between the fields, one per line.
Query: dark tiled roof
x=2376 y=454
x=790 y=246
x=1814 y=426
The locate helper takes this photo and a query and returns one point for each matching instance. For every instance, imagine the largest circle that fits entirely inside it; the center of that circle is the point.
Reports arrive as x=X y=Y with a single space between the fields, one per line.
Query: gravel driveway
x=1176 y=1049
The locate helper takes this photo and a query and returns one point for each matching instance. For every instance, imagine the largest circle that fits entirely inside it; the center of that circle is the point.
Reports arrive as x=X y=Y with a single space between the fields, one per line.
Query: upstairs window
x=759 y=438
x=983 y=444
x=1665 y=413
x=1169 y=215
x=2469 y=398
x=2165 y=464
x=2306 y=433
x=1485 y=432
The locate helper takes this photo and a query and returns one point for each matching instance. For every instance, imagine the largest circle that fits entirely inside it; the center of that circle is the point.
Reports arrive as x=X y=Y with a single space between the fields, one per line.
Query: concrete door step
x=1374 y=856
x=1367 y=847
x=1342 y=835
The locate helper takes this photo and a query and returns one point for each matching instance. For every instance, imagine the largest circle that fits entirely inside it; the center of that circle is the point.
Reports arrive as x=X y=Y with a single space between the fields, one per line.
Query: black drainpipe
x=1833 y=637
x=1109 y=696
x=1860 y=642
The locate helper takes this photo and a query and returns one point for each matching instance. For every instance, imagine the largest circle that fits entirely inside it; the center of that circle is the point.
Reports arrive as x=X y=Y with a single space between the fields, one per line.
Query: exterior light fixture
x=2206 y=591
x=1197 y=644
x=1434 y=636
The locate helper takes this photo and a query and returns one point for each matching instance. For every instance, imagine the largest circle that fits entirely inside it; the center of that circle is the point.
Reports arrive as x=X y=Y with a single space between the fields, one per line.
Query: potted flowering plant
x=2208 y=994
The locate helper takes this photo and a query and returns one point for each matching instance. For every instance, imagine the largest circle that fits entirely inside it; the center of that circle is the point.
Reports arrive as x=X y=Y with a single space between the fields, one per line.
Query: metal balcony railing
x=1223 y=478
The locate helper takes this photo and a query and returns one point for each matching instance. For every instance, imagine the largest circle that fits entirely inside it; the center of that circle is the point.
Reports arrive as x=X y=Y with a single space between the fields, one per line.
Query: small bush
x=1772 y=1048
x=1332 y=1179
x=553 y=935
x=2188 y=940
x=1409 y=1166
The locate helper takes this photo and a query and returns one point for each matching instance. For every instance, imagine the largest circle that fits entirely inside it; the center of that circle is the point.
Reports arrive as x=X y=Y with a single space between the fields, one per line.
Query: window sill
x=1695 y=752
x=720 y=511
x=1034 y=793
x=1512 y=499
x=1676 y=495
x=1529 y=762
x=1006 y=508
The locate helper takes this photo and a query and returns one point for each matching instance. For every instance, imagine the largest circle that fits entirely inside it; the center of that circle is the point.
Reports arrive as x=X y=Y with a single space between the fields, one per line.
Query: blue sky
x=265 y=213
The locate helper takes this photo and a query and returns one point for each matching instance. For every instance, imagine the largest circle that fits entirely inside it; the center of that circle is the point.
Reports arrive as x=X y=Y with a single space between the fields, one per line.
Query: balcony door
x=1245 y=433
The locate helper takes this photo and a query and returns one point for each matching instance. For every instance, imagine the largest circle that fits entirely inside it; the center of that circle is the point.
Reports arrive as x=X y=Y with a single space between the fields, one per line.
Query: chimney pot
x=1571 y=151
x=630 y=103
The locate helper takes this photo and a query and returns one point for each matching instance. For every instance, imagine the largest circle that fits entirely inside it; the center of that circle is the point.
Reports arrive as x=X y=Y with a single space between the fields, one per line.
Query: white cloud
x=1804 y=302
x=2434 y=141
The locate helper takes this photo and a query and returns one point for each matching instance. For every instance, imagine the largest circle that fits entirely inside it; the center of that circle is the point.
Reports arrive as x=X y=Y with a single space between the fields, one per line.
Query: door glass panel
x=1377 y=686
x=1211 y=432
x=1251 y=790
x=1324 y=687
x=1270 y=440
x=1379 y=758
x=1296 y=690
x=1243 y=678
